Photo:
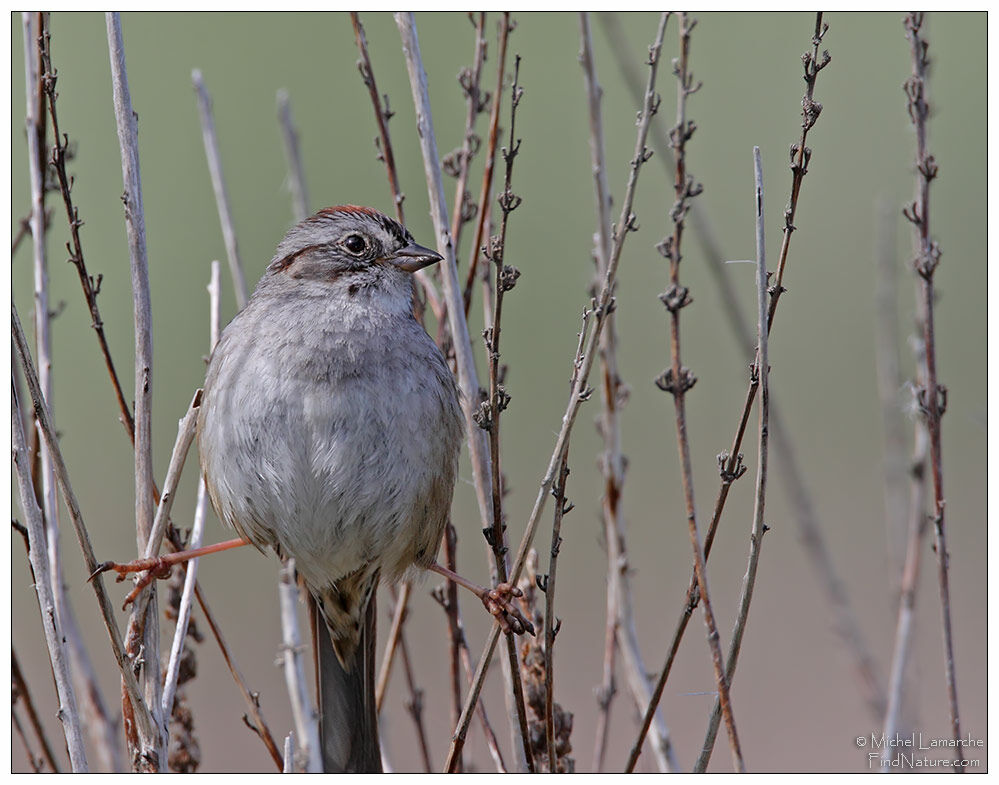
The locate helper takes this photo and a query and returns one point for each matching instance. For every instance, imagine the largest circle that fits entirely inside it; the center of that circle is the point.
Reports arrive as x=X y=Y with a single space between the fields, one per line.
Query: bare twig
x=844 y=620
x=917 y=525
x=91 y=286
x=621 y=631
x=730 y=462
x=762 y=372
x=97 y=723
x=302 y=709
x=143 y=747
x=296 y=175
x=678 y=379
x=252 y=699
x=602 y=306
x=23 y=695
x=218 y=185
x=141 y=715
x=487 y=174
x=198 y=528
x=465 y=361
x=932 y=397
x=489 y=413
x=57 y=648
x=383 y=142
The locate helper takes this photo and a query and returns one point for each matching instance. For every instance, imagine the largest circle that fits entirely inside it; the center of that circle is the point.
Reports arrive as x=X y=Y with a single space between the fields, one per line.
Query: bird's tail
x=348 y=722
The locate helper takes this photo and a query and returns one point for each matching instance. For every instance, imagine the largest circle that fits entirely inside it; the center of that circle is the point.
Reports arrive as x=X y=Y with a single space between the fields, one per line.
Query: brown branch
x=252 y=698
x=23 y=694
x=844 y=623
x=932 y=397
x=621 y=628
x=487 y=175
x=91 y=286
x=730 y=463
x=489 y=412
x=383 y=143
x=677 y=380
x=602 y=305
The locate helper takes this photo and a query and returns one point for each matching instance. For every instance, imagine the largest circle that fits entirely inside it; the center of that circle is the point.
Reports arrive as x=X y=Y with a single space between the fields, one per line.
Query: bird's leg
x=498 y=601
x=159 y=566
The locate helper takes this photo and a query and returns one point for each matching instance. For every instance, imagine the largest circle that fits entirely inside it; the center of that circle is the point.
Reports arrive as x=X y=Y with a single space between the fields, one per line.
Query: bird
x=329 y=431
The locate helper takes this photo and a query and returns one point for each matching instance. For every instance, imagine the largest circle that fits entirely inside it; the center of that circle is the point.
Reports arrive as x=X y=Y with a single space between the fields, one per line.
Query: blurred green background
x=796 y=700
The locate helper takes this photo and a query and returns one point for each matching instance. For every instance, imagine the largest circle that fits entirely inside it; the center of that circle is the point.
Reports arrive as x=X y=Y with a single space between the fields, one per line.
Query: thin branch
x=762 y=372
x=465 y=361
x=252 y=699
x=932 y=397
x=198 y=528
x=149 y=751
x=485 y=191
x=296 y=175
x=141 y=715
x=383 y=143
x=91 y=286
x=23 y=694
x=678 y=379
x=845 y=623
x=621 y=628
x=730 y=462
x=304 y=713
x=57 y=648
x=603 y=304
x=218 y=185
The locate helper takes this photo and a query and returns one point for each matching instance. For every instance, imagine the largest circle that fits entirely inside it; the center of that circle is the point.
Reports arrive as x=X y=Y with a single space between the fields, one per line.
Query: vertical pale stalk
x=214 y=157
x=467 y=375
x=603 y=304
x=127 y=126
x=621 y=629
x=58 y=650
x=296 y=174
x=302 y=710
x=932 y=396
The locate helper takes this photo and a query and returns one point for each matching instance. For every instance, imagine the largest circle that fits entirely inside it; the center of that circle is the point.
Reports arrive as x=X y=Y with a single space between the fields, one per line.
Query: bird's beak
x=414 y=257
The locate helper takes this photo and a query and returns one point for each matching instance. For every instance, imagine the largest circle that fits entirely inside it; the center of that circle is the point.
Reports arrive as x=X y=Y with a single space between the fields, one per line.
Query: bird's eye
x=355 y=243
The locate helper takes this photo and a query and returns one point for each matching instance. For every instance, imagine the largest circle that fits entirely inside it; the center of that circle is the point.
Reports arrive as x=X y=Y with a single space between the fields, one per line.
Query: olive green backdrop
x=796 y=700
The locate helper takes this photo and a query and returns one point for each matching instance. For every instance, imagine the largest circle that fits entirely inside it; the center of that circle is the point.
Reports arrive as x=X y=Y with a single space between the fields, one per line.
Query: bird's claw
x=498 y=602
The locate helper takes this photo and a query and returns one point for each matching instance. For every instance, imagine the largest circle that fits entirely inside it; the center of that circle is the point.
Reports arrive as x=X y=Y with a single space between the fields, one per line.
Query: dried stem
x=845 y=623
x=304 y=713
x=218 y=185
x=91 y=286
x=932 y=397
x=57 y=647
x=730 y=463
x=602 y=305
x=918 y=523
x=140 y=634
x=383 y=143
x=489 y=412
x=621 y=628
x=762 y=373
x=141 y=714
x=677 y=380
x=296 y=175
x=198 y=528
x=487 y=174
x=552 y=625
x=98 y=724
x=464 y=358
x=252 y=699
x=23 y=695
